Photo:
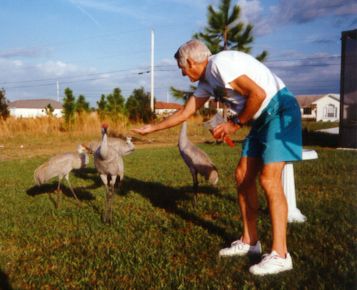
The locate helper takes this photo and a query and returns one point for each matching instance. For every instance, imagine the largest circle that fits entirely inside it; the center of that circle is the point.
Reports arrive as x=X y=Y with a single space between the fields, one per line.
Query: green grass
x=313 y=126
x=159 y=240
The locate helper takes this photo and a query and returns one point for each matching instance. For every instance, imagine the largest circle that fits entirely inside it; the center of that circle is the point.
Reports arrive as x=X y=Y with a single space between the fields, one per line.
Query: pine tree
x=102 y=107
x=4 y=105
x=115 y=105
x=182 y=95
x=82 y=106
x=225 y=31
x=49 y=110
x=138 y=106
x=69 y=107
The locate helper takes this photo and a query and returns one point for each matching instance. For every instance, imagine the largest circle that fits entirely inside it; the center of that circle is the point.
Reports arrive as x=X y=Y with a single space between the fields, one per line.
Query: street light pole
x=152 y=72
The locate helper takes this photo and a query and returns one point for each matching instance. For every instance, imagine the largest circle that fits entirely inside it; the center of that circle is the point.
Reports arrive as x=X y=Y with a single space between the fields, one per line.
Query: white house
x=34 y=108
x=320 y=108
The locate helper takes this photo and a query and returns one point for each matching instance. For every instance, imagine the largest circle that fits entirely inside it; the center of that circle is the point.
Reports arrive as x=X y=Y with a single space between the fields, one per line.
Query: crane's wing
x=121 y=146
x=198 y=160
x=196 y=155
x=58 y=165
x=61 y=163
x=113 y=165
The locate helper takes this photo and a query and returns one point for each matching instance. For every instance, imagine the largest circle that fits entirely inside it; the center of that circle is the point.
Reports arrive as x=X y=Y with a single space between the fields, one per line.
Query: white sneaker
x=238 y=248
x=272 y=264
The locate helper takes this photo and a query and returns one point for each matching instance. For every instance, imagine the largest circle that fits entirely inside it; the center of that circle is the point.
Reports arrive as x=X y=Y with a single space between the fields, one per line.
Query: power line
x=161 y=66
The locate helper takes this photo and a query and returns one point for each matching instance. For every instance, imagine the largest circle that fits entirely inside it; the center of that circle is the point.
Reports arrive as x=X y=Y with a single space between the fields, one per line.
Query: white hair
x=193 y=49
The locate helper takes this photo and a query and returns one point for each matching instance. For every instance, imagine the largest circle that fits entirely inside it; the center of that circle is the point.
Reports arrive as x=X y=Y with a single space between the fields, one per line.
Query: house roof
x=35 y=104
x=307 y=100
x=335 y=96
x=163 y=105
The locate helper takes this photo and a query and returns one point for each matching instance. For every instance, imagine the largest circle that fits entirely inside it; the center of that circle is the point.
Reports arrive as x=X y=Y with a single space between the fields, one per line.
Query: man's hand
x=146 y=129
x=224 y=129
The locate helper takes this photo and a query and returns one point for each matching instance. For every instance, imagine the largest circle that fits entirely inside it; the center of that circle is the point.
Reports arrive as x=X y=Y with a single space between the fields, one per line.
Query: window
x=330 y=111
x=307 y=111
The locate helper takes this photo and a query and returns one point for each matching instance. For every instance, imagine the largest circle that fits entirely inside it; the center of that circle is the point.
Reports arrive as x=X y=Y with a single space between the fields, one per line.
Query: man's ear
x=190 y=62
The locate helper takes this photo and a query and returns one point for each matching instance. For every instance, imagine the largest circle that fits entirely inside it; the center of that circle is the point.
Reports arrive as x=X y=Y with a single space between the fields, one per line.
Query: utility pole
x=58 y=98
x=152 y=72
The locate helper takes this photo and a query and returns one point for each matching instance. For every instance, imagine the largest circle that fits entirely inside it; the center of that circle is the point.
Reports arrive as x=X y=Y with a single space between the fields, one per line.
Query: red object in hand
x=229 y=141
x=213 y=123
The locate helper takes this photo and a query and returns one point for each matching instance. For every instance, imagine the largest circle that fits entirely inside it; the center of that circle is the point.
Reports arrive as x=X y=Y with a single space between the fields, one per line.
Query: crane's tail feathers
x=40 y=174
x=37 y=178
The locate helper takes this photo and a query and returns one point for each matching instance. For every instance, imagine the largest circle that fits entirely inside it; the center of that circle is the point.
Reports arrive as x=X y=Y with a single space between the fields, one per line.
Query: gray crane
x=197 y=160
x=60 y=166
x=109 y=164
x=124 y=147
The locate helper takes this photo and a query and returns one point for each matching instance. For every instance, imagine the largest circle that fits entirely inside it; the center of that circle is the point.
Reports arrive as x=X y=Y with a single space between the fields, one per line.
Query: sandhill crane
x=124 y=147
x=197 y=160
x=109 y=165
x=60 y=166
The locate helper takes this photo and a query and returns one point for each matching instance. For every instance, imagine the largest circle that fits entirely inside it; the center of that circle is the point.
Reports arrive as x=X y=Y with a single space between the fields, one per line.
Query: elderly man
x=252 y=93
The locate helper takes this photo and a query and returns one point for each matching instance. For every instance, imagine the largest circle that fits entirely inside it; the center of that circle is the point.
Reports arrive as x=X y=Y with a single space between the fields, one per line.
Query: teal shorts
x=276 y=134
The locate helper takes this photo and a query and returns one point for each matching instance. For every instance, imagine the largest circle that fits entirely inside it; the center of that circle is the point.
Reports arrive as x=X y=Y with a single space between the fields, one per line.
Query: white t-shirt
x=226 y=66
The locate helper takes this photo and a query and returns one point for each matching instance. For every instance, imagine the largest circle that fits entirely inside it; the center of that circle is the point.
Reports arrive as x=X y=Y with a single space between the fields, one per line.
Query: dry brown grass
x=29 y=137
x=87 y=124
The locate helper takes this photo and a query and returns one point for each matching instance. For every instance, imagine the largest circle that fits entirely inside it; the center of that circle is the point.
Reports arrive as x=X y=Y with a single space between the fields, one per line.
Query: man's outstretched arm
x=191 y=106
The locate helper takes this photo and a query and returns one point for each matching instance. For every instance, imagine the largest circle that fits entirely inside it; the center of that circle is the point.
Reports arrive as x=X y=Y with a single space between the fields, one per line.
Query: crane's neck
x=84 y=159
x=104 y=145
x=183 y=140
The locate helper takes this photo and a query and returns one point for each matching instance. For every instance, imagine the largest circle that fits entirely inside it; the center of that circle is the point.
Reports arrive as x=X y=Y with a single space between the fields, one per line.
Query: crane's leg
x=59 y=192
x=104 y=178
x=70 y=187
x=195 y=186
x=110 y=199
x=120 y=183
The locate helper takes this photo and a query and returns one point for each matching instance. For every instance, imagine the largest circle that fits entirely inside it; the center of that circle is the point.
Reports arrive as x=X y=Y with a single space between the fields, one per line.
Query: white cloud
x=23 y=80
x=23 y=52
x=308 y=74
x=250 y=10
x=56 y=68
x=266 y=20
x=296 y=11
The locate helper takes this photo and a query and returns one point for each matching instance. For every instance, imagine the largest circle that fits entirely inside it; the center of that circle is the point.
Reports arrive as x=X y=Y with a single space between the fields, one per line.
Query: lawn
x=159 y=239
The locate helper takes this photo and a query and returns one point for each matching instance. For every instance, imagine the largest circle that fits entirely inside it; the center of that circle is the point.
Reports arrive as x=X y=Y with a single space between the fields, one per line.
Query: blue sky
x=94 y=46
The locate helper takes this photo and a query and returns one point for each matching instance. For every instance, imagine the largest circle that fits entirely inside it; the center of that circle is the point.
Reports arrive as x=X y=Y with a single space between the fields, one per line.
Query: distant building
x=320 y=107
x=164 y=109
x=34 y=108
